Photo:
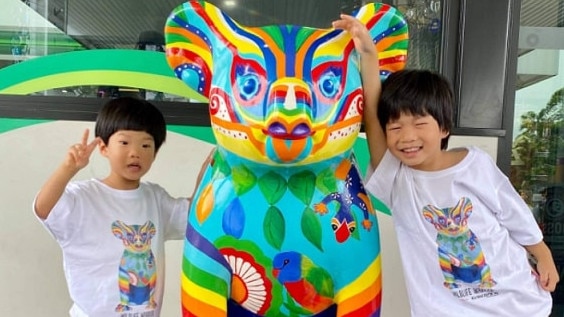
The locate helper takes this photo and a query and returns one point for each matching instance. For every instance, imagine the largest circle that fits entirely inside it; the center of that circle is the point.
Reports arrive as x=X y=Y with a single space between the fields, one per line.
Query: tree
x=539 y=148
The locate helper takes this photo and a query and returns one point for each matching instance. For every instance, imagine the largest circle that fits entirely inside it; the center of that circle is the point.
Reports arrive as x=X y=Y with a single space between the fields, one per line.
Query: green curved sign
x=127 y=68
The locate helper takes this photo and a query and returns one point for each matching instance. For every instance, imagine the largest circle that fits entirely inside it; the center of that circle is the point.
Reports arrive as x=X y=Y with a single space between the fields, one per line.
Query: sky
x=535 y=97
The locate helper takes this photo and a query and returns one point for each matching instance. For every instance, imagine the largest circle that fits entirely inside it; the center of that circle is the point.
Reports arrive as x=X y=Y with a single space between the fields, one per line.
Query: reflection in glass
x=537 y=165
x=425 y=31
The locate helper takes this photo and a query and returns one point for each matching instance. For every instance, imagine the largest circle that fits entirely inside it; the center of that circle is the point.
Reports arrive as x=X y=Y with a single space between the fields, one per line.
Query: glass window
x=43 y=43
x=424 y=18
x=537 y=167
x=62 y=47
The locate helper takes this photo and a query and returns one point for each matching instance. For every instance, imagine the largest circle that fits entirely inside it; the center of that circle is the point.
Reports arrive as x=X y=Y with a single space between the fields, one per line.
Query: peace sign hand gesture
x=78 y=155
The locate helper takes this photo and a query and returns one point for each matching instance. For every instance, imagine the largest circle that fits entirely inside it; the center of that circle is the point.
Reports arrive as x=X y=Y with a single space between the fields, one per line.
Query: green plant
x=538 y=150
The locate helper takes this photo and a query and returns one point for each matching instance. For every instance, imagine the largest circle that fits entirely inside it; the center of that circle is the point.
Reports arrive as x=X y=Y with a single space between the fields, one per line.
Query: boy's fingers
x=338 y=24
x=92 y=145
x=547 y=283
x=85 y=137
x=345 y=21
x=549 y=286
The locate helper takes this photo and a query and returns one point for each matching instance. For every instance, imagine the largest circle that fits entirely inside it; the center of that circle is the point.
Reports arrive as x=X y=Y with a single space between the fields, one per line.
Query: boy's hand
x=78 y=155
x=360 y=36
x=548 y=275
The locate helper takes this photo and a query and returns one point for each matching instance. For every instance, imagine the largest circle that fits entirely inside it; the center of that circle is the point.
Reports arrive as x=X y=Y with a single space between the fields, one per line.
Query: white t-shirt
x=113 y=246
x=460 y=232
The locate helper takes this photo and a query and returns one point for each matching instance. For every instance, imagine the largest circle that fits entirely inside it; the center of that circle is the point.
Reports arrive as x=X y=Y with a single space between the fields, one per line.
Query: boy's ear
x=445 y=133
x=103 y=148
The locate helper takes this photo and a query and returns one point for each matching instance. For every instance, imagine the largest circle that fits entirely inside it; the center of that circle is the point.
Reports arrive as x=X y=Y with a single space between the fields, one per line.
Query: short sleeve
x=515 y=215
x=62 y=222
x=174 y=214
x=379 y=182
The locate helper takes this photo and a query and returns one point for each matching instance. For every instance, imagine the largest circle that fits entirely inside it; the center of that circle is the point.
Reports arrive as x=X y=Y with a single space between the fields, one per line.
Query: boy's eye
x=147 y=145
x=123 y=142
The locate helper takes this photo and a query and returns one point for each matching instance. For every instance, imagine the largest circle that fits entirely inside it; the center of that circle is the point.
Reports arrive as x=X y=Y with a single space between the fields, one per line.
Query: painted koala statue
x=460 y=253
x=272 y=230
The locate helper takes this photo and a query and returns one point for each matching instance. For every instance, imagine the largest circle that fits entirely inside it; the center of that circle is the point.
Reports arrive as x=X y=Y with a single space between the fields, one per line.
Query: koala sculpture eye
x=330 y=83
x=249 y=85
x=248 y=80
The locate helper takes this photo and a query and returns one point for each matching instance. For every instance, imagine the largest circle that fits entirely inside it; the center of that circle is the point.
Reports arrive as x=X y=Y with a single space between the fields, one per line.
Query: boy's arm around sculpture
x=371 y=84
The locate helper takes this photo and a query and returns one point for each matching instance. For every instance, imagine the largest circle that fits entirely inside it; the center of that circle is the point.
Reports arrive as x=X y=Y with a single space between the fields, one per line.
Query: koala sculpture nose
x=290 y=94
x=290 y=110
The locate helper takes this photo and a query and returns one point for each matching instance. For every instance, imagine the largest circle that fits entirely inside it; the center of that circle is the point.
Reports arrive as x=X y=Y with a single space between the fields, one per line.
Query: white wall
x=488 y=144
x=30 y=260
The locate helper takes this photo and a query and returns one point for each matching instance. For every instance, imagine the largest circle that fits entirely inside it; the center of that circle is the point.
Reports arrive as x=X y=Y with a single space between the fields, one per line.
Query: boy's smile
x=416 y=141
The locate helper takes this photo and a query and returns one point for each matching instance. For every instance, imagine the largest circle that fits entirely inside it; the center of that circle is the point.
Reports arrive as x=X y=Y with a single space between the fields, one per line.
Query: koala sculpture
x=272 y=230
x=137 y=271
x=460 y=255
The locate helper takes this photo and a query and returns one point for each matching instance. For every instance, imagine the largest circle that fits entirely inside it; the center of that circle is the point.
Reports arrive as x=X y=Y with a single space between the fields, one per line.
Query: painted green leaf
x=326 y=181
x=243 y=179
x=311 y=227
x=220 y=165
x=274 y=227
x=273 y=186
x=302 y=185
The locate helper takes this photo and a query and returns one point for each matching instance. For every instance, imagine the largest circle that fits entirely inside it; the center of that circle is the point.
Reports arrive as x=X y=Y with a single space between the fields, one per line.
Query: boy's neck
x=121 y=184
x=445 y=159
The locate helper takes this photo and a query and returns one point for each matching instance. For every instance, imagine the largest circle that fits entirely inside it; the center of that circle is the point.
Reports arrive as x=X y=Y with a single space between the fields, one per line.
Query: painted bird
x=308 y=284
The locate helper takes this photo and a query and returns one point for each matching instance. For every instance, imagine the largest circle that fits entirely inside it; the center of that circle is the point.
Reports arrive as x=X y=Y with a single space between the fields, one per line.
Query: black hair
x=128 y=113
x=420 y=93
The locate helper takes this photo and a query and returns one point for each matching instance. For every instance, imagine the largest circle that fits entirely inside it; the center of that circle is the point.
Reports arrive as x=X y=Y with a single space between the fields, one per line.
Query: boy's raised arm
x=77 y=158
x=371 y=84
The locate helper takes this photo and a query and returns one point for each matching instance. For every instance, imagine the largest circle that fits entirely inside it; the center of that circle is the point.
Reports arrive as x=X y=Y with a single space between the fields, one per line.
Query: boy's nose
x=408 y=134
x=134 y=152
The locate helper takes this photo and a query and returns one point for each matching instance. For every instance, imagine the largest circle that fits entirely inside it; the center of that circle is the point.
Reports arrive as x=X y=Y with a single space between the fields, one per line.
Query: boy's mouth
x=134 y=166
x=411 y=149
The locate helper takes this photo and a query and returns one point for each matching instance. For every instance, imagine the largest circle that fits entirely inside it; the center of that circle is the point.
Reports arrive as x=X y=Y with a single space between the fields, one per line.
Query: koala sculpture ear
x=389 y=31
x=196 y=32
x=193 y=31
